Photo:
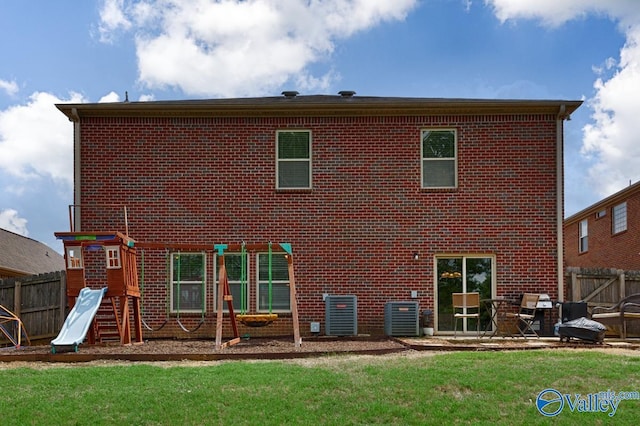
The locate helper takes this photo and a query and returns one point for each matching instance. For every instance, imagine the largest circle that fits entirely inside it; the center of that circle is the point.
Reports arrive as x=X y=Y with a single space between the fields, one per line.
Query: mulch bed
x=271 y=348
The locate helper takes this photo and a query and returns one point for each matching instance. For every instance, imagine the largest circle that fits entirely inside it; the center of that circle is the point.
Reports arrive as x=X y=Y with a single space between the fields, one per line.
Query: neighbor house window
x=275 y=296
x=113 y=257
x=619 y=214
x=237 y=277
x=187 y=282
x=293 y=164
x=583 y=236
x=439 y=158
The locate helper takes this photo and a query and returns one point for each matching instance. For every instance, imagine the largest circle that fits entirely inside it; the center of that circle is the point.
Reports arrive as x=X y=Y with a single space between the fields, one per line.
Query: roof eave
x=320 y=107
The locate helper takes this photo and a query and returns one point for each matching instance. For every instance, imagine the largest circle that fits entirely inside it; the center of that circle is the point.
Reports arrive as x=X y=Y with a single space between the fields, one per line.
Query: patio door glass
x=463 y=274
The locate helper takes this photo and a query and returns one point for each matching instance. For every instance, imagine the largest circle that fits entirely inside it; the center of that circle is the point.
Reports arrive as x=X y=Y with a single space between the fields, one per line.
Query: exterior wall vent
x=341 y=315
x=346 y=93
x=290 y=93
x=401 y=319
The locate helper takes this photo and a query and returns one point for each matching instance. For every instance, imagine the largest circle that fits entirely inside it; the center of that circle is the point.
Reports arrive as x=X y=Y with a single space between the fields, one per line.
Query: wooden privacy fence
x=602 y=287
x=38 y=300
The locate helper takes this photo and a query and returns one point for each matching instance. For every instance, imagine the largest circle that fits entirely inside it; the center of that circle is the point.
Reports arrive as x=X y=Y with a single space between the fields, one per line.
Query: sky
x=96 y=51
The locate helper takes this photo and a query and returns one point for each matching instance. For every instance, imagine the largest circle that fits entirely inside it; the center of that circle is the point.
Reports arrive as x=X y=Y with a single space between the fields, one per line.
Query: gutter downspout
x=76 y=171
x=562 y=115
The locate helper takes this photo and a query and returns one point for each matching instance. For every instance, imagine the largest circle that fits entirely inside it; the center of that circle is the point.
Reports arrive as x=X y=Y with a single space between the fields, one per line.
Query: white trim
x=454 y=158
x=463 y=256
x=309 y=160
x=202 y=283
x=583 y=236
x=273 y=283
x=117 y=262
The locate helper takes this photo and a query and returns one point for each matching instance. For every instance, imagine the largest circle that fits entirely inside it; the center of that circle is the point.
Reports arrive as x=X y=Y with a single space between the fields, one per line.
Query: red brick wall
x=212 y=180
x=606 y=250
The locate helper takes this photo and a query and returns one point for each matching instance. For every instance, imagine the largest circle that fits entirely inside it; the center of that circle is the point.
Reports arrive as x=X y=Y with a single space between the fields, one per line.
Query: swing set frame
x=224 y=292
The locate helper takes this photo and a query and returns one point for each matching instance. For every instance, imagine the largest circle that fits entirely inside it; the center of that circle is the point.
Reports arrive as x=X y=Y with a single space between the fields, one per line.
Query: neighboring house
x=385 y=199
x=606 y=234
x=22 y=256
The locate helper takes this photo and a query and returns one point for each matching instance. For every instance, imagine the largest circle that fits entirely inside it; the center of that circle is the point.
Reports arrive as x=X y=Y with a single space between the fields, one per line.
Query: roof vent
x=290 y=94
x=346 y=93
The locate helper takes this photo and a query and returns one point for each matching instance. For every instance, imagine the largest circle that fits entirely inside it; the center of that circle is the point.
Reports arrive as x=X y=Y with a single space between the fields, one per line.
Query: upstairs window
x=583 y=239
x=293 y=164
x=439 y=158
x=619 y=216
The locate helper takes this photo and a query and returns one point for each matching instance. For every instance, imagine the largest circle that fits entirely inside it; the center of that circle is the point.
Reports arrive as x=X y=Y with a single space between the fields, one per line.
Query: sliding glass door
x=462 y=274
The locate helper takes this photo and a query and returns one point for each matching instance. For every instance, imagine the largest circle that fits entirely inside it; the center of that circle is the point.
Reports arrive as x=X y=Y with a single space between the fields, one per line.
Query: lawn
x=416 y=389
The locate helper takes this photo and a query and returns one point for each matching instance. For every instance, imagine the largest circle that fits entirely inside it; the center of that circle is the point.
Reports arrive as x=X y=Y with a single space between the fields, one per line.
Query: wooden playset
x=123 y=294
x=120 y=311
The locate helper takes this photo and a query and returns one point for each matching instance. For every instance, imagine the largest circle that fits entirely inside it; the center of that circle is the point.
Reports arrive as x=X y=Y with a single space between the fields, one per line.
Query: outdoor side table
x=494 y=307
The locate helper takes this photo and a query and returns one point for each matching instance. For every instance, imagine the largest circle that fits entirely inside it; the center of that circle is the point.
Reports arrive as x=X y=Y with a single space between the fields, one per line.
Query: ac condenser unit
x=401 y=319
x=341 y=315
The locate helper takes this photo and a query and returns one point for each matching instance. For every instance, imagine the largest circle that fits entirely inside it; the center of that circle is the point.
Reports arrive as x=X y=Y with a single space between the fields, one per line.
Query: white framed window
x=438 y=150
x=238 y=280
x=112 y=254
x=188 y=278
x=583 y=236
x=463 y=274
x=601 y=213
x=74 y=257
x=619 y=218
x=293 y=159
x=277 y=298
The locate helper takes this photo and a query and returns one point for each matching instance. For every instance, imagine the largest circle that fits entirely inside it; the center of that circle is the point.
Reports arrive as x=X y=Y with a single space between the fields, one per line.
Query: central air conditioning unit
x=341 y=315
x=401 y=319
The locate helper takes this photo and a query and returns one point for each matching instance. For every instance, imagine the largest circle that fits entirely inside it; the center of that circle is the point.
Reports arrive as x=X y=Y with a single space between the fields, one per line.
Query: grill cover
x=582 y=328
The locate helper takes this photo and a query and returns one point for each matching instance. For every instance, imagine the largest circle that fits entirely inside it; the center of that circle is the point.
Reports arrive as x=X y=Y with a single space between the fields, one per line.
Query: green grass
x=452 y=388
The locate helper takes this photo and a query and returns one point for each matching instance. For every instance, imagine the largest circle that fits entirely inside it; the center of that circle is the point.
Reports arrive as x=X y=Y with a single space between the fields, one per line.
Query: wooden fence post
x=576 y=293
x=63 y=299
x=17 y=298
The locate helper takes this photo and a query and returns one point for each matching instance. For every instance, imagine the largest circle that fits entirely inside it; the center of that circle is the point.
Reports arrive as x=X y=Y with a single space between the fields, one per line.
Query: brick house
x=385 y=199
x=605 y=234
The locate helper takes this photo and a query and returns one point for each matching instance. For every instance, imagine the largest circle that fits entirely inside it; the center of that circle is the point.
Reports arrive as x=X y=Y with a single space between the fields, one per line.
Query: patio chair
x=463 y=303
x=526 y=314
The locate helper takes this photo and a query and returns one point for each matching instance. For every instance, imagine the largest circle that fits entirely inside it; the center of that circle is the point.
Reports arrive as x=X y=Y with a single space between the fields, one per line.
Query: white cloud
x=239 y=48
x=147 y=98
x=610 y=141
x=11 y=87
x=36 y=139
x=10 y=221
x=110 y=97
x=112 y=18
x=554 y=12
x=613 y=136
